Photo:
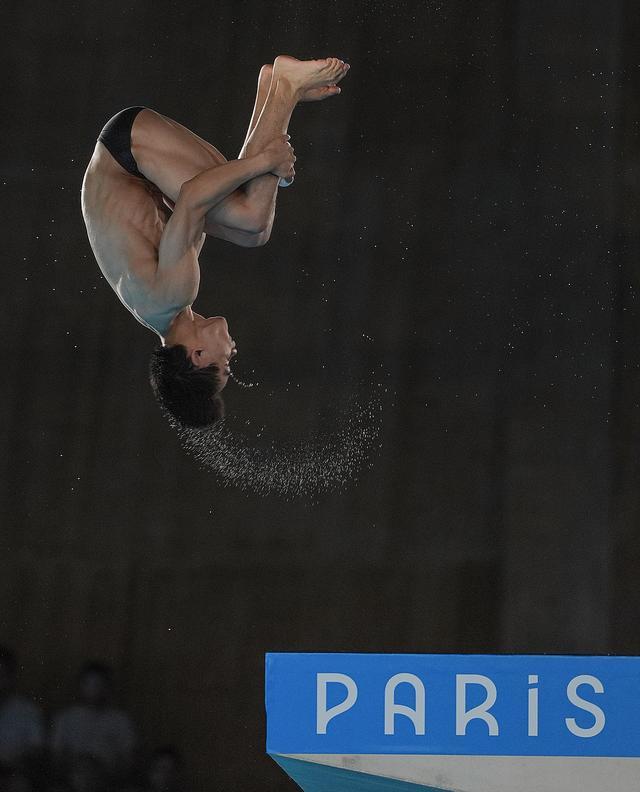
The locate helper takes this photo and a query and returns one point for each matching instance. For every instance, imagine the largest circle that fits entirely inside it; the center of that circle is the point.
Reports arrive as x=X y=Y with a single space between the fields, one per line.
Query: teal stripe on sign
x=314 y=777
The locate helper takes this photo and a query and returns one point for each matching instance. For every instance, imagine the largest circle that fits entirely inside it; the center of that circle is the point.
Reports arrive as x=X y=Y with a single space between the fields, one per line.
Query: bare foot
x=313 y=79
x=318 y=94
x=310 y=95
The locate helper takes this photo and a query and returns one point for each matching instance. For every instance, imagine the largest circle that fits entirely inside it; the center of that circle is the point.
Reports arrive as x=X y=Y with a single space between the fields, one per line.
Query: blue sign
x=500 y=705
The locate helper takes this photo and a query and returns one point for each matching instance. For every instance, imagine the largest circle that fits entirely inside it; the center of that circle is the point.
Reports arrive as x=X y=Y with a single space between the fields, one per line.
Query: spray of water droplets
x=324 y=461
x=241 y=383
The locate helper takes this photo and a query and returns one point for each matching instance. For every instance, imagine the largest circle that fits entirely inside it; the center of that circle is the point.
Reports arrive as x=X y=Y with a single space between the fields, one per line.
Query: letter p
x=324 y=715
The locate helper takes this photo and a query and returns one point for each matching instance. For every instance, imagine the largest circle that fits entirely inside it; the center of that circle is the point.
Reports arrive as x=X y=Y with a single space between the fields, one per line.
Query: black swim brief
x=116 y=137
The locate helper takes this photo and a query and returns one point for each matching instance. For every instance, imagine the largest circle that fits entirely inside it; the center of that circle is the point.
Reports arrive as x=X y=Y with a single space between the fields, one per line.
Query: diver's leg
x=272 y=112
x=168 y=154
x=264 y=83
x=291 y=81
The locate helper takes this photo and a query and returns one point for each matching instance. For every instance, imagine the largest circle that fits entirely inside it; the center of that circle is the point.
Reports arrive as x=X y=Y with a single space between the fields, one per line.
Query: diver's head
x=189 y=372
x=208 y=342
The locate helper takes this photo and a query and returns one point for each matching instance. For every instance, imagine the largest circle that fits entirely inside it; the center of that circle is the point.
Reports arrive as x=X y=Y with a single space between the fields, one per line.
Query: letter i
x=533 y=706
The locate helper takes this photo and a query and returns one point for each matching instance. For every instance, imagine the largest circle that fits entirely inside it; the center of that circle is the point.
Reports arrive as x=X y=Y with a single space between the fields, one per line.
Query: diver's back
x=125 y=218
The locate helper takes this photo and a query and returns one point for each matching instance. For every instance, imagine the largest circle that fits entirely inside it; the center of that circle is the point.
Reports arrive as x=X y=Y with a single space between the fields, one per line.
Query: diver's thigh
x=169 y=154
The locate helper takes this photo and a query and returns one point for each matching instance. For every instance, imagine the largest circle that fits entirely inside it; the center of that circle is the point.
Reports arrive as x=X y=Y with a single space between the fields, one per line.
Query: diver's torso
x=125 y=217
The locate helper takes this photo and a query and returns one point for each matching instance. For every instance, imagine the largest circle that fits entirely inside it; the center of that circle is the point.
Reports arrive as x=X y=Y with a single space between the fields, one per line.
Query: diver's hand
x=280 y=156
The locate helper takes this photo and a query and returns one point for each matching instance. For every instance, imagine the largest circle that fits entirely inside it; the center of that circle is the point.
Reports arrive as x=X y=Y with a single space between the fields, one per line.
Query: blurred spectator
x=21 y=721
x=93 y=728
x=164 y=773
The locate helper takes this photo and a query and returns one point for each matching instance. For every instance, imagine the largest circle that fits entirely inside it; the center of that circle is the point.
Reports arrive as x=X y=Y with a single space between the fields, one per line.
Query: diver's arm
x=178 y=271
x=206 y=190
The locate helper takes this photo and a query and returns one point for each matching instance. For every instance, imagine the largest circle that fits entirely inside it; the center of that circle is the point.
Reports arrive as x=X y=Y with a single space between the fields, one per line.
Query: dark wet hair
x=189 y=394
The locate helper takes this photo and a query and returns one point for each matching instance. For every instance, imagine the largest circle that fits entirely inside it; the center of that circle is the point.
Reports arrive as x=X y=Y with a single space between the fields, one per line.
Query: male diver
x=153 y=190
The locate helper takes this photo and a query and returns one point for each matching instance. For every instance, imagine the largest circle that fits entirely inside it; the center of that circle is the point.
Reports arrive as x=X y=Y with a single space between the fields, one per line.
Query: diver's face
x=214 y=345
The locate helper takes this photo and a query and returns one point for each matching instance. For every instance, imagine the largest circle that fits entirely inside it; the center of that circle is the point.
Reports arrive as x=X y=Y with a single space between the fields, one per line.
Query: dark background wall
x=470 y=203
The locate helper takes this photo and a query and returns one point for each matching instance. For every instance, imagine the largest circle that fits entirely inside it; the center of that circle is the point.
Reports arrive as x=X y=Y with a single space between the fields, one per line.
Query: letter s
x=587 y=706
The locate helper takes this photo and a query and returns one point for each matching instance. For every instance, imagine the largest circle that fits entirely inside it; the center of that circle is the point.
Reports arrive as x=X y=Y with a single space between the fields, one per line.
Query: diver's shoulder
x=144 y=294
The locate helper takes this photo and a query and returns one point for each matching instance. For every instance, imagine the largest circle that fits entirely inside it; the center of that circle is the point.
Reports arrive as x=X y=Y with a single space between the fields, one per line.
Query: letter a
x=391 y=709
